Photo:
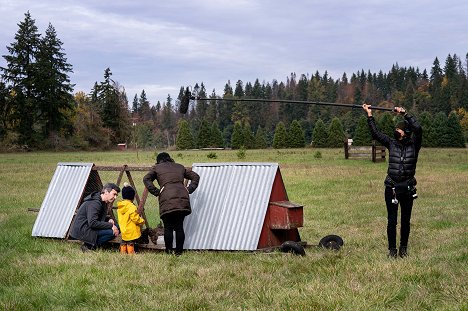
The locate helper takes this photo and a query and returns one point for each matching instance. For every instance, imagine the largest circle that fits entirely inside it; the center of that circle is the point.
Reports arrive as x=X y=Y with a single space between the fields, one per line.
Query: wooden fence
x=376 y=153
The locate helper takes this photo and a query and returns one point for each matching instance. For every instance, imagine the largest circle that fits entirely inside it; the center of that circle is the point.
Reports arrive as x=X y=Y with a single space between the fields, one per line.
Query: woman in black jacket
x=400 y=183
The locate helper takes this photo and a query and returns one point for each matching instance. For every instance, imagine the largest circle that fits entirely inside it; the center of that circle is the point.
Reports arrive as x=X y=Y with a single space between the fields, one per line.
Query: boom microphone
x=187 y=97
x=184 y=103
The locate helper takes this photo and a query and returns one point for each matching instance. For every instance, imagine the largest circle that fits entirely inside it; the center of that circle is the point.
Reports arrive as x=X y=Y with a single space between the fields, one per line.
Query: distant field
x=343 y=197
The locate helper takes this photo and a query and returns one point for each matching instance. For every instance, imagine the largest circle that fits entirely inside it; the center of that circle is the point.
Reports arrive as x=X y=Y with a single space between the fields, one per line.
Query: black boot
x=392 y=253
x=402 y=252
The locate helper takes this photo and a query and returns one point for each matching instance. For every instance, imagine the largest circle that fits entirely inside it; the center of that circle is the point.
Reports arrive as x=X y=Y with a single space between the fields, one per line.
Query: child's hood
x=124 y=206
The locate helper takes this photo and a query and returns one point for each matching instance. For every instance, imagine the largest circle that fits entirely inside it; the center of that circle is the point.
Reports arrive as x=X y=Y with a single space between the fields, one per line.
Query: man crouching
x=91 y=225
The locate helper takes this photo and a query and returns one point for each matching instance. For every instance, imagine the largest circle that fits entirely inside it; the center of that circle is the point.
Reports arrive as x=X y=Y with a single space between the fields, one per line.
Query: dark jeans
x=406 y=204
x=174 y=222
x=104 y=236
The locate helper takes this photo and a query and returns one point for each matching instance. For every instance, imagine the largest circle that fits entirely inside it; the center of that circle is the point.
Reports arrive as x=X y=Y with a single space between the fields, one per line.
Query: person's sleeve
x=194 y=180
x=148 y=181
x=376 y=134
x=416 y=129
x=93 y=218
x=136 y=218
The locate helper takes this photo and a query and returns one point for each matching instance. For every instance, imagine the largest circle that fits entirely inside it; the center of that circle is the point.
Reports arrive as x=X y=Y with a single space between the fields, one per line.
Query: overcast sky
x=160 y=46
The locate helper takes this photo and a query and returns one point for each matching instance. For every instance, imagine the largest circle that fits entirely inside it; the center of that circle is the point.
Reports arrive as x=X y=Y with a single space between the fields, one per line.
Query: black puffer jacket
x=91 y=217
x=403 y=154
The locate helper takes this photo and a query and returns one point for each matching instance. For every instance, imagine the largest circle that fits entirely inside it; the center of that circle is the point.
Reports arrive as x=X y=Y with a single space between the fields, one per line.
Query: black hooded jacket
x=403 y=154
x=91 y=217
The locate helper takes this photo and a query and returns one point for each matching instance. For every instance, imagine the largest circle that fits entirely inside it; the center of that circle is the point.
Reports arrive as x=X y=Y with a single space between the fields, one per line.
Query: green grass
x=343 y=197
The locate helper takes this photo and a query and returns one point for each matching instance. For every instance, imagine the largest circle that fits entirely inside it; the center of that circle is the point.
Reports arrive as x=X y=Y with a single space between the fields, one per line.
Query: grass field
x=343 y=197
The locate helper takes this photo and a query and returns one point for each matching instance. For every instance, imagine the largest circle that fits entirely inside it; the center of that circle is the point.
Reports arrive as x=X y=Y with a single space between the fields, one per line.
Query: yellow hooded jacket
x=129 y=221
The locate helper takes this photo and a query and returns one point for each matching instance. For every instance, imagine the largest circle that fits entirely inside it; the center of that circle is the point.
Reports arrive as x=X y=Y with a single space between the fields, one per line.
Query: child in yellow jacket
x=129 y=221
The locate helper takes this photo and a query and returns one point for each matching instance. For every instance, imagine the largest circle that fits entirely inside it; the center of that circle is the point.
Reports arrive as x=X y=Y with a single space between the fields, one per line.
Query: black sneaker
x=392 y=253
x=403 y=252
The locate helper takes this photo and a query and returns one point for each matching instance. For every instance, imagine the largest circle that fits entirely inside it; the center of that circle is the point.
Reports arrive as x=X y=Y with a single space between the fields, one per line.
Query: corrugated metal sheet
x=229 y=206
x=61 y=200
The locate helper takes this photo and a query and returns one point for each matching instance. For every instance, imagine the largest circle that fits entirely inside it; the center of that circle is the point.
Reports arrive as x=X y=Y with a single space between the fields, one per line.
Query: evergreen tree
x=227 y=134
x=167 y=121
x=260 y=139
x=281 y=136
x=363 y=136
x=144 y=135
x=237 y=138
x=249 y=139
x=216 y=136
x=184 y=136
x=167 y=114
x=212 y=110
x=426 y=121
x=202 y=105
x=5 y=110
x=204 y=135
x=336 y=134
x=386 y=124
x=455 y=131
x=319 y=134
x=135 y=105
x=107 y=100
x=21 y=73
x=306 y=127
x=441 y=134
x=55 y=101
x=225 y=111
x=295 y=135
x=144 y=110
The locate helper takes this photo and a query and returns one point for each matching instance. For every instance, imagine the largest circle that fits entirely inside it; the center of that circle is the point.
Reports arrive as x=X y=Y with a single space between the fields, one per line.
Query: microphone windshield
x=184 y=103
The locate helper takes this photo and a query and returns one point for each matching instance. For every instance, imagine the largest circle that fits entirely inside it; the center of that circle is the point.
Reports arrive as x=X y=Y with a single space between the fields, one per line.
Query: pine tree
x=144 y=135
x=336 y=134
x=260 y=139
x=426 y=121
x=455 y=131
x=144 y=110
x=216 y=136
x=280 y=138
x=386 y=124
x=227 y=134
x=135 y=105
x=55 y=101
x=441 y=133
x=204 y=135
x=319 y=134
x=237 y=138
x=363 y=136
x=108 y=101
x=21 y=72
x=184 y=136
x=5 y=110
x=249 y=139
x=295 y=135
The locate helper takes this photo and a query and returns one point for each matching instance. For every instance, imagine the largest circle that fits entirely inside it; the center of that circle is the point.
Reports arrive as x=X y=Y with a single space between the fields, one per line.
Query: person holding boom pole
x=400 y=183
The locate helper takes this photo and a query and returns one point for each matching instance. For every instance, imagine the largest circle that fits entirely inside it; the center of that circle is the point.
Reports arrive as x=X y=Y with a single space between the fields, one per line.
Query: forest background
x=38 y=110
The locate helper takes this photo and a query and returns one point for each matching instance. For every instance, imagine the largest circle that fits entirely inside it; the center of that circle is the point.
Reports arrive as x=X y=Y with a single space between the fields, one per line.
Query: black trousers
x=406 y=204
x=174 y=222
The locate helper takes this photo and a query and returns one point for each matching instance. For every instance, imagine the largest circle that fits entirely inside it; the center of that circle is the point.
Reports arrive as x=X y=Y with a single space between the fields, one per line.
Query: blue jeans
x=104 y=236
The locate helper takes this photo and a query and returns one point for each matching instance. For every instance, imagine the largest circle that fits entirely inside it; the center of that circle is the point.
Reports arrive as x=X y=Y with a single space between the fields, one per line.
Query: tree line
x=40 y=111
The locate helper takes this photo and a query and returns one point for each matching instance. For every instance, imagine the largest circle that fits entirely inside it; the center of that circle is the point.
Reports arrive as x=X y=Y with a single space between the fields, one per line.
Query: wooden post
x=346 y=150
